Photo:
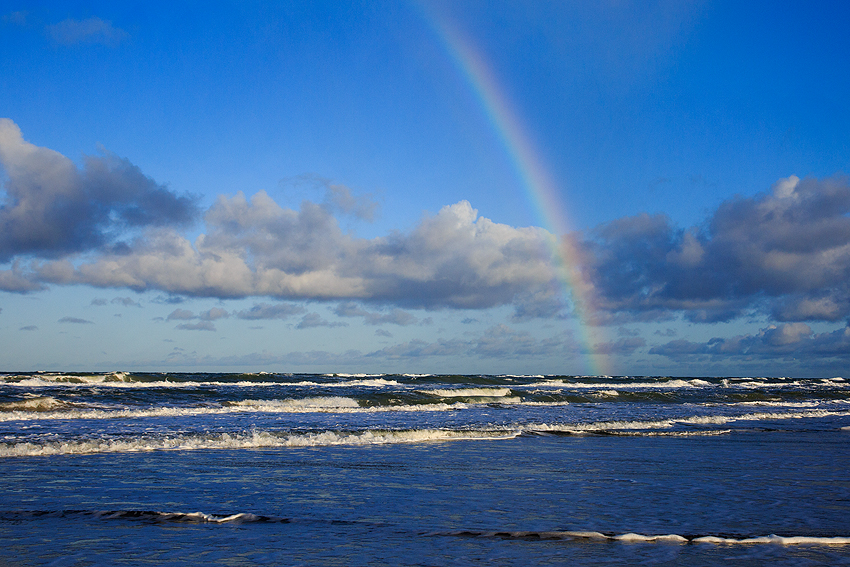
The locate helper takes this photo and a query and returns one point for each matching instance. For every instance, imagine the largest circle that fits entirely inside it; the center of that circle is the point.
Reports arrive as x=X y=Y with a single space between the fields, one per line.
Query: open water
x=303 y=469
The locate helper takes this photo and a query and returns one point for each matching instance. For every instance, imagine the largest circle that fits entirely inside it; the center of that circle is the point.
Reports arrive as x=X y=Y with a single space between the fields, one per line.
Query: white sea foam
x=74 y=381
x=673 y=384
x=254 y=439
x=761 y=416
x=469 y=392
x=605 y=394
x=665 y=538
x=775 y=539
x=639 y=427
x=373 y=382
x=602 y=426
x=309 y=404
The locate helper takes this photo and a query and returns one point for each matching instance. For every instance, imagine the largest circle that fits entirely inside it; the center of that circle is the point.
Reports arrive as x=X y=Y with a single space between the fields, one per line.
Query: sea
x=126 y=468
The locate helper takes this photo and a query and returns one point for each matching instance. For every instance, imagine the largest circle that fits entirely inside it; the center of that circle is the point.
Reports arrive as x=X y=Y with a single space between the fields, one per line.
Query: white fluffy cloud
x=256 y=248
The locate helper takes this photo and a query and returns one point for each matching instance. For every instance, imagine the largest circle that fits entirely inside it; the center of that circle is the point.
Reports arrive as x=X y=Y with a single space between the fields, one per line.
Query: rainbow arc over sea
x=540 y=189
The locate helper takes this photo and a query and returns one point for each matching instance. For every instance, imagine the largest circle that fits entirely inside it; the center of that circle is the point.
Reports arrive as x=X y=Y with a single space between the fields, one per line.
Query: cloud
x=268 y=311
x=311 y=320
x=18 y=18
x=29 y=328
x=361 y=206
x=498 y=342
x=200 y=326
x=785 y=253
x=383 y=333
x=98 y=301
x=15 y=280
x=257 y=248
x=338 y=198
x=180 y=315
x=213 y=314
x=782 y=254
x=205 y=319
x=623 y=346
x=76 y=321
x=52 y=208
x=91 y=30
x=783 y=341
x=395 y=316
x=125 y=301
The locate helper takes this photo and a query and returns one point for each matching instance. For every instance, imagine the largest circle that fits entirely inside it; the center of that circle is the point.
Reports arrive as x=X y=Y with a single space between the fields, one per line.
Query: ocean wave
x=372 y=382
x=61 y=378
x=248 y=518
x=644 y=538
x=672 y=384
x=307 y=405
x=640 y=427
x=761 y=416
x=249 y=440
x=37 y=404
x=144 y=516
x=42 y=382
x=469 y=392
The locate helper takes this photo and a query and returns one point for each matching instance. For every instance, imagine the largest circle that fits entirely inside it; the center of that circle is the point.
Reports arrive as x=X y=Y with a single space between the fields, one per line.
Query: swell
x=248 y=518
x=717 y=539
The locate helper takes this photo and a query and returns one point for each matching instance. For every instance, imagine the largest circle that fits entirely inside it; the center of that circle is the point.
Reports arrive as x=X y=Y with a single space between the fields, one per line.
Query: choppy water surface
x=423 y=470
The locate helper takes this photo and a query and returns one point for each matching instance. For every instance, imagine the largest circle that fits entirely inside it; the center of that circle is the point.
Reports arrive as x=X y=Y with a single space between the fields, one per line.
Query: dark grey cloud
x=269 y=311
x=785 y=254
x=29 y=328
x=52 y=208
x=76 y=320
x=783 y=341
x=91 y=30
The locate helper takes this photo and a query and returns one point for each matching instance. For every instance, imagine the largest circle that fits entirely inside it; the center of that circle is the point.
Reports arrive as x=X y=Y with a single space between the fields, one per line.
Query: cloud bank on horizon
x=783 y=255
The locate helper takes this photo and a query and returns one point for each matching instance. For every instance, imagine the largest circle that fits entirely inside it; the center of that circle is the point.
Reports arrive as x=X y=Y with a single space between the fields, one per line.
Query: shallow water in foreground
x=495 y=470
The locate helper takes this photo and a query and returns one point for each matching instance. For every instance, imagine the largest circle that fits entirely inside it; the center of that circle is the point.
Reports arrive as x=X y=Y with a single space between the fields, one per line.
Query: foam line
x=661 y=538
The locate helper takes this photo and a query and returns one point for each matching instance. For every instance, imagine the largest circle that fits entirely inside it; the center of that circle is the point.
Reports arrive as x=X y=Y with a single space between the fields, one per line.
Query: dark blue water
x=98 y=474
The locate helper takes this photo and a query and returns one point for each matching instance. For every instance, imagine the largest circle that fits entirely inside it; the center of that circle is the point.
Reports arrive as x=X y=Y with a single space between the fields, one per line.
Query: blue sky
x=322 y=187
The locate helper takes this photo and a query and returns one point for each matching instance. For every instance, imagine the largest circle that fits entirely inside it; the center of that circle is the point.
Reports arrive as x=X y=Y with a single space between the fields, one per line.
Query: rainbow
x=533 y=175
